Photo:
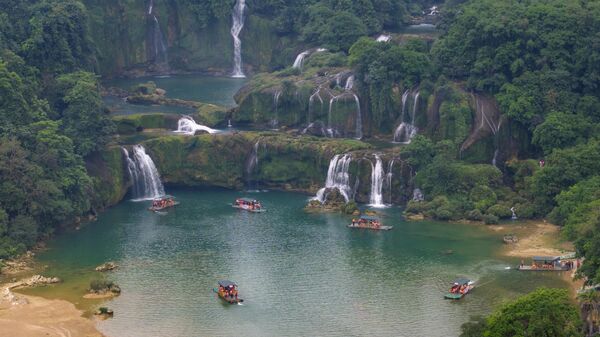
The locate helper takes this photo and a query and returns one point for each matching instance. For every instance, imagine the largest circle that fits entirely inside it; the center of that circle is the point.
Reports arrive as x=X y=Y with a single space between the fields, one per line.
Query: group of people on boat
x=163 y=203
x=230 y=292
x=366 y=223
x=459 y=289
x=248 y=204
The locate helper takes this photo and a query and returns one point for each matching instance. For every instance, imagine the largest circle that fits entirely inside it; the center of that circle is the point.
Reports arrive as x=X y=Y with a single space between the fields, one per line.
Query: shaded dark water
x=300 y=274
x=206 y=89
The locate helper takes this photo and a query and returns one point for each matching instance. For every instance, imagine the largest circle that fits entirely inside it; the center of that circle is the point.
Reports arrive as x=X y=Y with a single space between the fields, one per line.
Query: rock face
x=108 y=173
x=191 y=45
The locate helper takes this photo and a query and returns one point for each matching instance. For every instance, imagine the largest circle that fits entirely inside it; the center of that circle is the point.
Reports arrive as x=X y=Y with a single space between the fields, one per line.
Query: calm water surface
x=300 y=274
x=214 y=90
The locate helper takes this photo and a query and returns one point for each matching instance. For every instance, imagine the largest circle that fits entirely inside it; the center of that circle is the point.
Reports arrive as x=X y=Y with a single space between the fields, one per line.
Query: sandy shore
x=535 y=239
x=30 y=316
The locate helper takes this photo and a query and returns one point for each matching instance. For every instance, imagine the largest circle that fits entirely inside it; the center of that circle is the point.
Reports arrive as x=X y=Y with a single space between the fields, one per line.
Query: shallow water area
x=206 y=89
x=300 y=274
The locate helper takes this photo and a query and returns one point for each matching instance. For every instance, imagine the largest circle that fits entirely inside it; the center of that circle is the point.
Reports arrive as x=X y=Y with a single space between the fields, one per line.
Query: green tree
x=544 y=312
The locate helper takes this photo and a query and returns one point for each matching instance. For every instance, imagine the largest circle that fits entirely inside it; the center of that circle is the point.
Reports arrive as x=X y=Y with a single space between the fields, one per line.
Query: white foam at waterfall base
x=144 y=175
x=187 y=125
x=236 y=28
x=337 y=178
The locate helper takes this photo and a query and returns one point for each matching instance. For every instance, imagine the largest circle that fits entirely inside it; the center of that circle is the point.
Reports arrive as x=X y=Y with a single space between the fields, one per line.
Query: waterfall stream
x=187 y=125
x=299 y=61
x=407 y=130
x=376 y=197
x=236 y=28
x=337 y=177
x=389 y=176
x=143 y=174
x=159 y=45
x=275 y=120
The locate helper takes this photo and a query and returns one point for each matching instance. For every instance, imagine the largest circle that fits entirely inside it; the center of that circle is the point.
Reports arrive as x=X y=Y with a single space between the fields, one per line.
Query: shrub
x=415 y=207
x=500 y=211
x=475 y=215
x=490 y=219
x=100 y=285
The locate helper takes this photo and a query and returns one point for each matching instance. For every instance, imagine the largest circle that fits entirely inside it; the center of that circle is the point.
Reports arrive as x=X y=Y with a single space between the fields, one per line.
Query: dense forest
x=540 y=60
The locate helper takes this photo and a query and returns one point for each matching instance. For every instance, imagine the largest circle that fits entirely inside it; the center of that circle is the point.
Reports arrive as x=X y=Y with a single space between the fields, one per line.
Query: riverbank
x=28 y=316
x=539 y=238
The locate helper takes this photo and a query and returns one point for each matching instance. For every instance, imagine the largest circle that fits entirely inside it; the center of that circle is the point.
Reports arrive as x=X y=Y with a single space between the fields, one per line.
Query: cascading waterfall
x=389 y=176
x=330 y=130
x=143 y=174
x=187 y=125
x=376 y=197
x=159 y=44
x=299 y=61
x=276 y=96
x=337 y=177
x=236 y=28
x=407 y=130
x=358 y=132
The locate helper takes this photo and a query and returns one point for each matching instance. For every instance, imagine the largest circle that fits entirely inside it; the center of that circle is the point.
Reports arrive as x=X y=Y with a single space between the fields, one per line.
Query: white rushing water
x=376 y=196
x=337 y=177
x=383 y=38
x=407 y=130
x=349 y=83
x=236 y=28
x=143 y=174
x=388 y=177
x=299 y=61
x=187 y=125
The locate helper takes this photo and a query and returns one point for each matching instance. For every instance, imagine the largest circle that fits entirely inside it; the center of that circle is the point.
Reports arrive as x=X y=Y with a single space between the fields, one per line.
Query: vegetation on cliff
x=51 y=116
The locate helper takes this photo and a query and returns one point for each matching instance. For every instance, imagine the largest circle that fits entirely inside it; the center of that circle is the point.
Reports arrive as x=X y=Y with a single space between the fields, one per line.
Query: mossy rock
x=130 y=124
x=212 y=115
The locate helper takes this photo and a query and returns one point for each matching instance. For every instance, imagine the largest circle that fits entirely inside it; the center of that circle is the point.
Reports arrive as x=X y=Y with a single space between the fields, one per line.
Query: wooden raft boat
x=369 y=222
x=228 y=292
x=546 y=263
x=459 y=289
x=163 y=203
x=249 y=205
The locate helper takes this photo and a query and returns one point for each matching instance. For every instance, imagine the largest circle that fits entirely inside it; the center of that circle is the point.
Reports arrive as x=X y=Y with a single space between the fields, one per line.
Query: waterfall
x=337 y=177
x=158 y=39
x=299 y=61
x=330 y=130
x=383 y=38
x=349 y=83
x=376 y=198
x=143 y=174
x=407 y=130
x=388 y=178
x=358 y=134
x=187 y=125
x=418 y=195
x=310 y=102
x=236 y=28
x=276 y=96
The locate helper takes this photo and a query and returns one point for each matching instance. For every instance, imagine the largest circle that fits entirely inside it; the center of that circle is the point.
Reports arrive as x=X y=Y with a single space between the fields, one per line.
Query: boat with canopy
x=228 y=292
x=369 y=222
x=163 y=203
x=250 y=205
x=459 y=289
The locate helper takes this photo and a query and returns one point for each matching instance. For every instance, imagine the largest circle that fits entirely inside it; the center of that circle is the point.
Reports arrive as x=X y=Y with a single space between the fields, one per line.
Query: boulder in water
x=37 y=280
x=107 y=266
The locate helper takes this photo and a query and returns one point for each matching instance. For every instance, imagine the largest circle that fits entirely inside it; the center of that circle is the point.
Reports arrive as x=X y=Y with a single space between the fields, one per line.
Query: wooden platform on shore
x=530 y=268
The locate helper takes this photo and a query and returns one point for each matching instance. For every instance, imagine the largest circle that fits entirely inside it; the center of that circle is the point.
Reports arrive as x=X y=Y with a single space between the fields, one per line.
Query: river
x=300 y=274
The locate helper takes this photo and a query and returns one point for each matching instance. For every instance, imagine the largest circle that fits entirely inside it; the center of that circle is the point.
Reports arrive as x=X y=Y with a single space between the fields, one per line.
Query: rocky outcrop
x=108 y=172
x=107 y=266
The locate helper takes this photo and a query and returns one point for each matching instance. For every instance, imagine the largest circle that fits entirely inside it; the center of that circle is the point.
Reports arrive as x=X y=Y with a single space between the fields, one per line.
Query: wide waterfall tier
x=407 y=129
x=337 y=178
x=236 y=28
x=377 y=176
x=332 y=131
x=143 y=175
x=187 y=125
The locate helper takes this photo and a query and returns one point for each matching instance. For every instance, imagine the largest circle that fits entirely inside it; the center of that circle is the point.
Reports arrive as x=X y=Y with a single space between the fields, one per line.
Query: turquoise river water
x=300 y=274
